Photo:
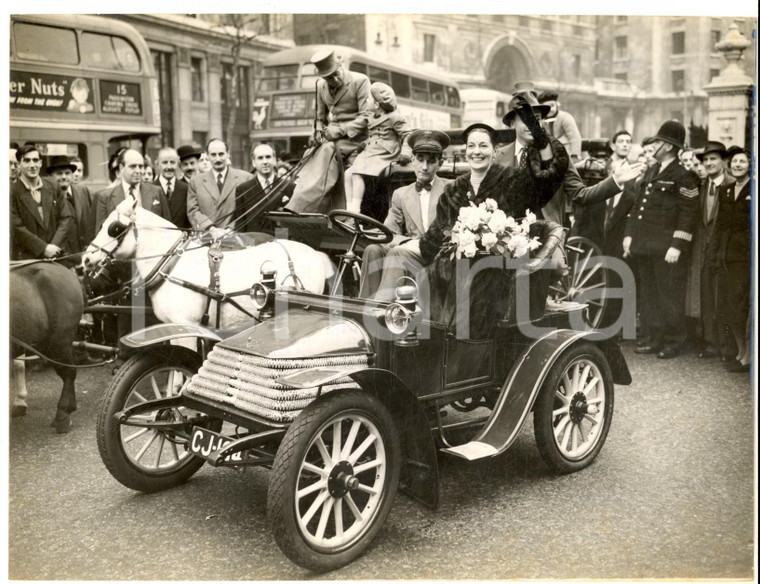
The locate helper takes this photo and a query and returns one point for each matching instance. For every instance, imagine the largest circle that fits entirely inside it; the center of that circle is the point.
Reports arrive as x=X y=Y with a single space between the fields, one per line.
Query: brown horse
x=46 y=304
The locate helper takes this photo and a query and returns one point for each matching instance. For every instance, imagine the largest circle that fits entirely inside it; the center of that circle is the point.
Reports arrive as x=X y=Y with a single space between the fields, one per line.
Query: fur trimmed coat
x=516 y=190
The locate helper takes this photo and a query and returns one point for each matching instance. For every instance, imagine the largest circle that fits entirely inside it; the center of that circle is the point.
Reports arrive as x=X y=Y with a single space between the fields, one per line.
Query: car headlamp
x=262 y=293
x=259 y=295
x=403 y=315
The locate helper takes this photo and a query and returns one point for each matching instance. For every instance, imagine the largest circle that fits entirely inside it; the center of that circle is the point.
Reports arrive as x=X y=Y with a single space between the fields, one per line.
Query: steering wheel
x=364 y=227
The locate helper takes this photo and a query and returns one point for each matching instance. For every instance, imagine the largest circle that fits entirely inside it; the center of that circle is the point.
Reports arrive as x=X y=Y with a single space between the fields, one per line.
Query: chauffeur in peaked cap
x=659 y=232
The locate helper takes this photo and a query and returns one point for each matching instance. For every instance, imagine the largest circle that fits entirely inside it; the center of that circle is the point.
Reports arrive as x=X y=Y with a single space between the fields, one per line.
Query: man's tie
x=710 y=201
x=169 y=190
x=219 y=182
x=419 y=185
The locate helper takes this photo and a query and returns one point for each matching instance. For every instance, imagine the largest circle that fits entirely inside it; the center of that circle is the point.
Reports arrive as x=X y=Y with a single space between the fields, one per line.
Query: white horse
x=149 y=237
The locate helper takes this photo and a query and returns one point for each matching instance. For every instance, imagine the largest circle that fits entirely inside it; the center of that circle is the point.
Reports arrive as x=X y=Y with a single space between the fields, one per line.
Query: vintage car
x=348 y=400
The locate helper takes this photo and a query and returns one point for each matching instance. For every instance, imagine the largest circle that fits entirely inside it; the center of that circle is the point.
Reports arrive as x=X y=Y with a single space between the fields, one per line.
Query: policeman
x=658 y=232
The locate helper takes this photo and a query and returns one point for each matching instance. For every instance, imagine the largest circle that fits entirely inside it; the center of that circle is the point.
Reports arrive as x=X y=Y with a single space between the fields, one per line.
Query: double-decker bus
x=484 y=105
x=81 y=86
x=283 y=112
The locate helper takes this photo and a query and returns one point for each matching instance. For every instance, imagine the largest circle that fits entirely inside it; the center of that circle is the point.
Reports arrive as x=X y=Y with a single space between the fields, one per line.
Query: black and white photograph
x=400 y=294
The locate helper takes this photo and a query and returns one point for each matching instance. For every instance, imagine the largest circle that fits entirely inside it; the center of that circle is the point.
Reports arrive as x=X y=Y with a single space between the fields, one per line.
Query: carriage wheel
x=334 y=479
x=145 y=459
x=587 y=273
x=574 y=409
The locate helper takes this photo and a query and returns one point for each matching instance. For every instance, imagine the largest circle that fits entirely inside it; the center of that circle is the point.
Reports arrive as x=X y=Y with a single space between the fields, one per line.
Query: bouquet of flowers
x=486 y=228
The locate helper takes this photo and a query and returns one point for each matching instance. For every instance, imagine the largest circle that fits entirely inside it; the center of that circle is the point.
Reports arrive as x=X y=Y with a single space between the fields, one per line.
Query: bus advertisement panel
x=81 y=86
x=283 y=112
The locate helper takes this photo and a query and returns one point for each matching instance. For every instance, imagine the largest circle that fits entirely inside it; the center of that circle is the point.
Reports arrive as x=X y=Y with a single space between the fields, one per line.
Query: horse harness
x=213 y=290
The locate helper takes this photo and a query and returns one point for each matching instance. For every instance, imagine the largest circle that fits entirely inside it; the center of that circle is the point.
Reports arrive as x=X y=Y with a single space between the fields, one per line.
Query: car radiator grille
x=248 y=382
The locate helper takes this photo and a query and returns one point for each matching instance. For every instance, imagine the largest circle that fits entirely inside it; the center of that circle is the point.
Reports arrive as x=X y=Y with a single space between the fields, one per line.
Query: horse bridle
x=117 y=231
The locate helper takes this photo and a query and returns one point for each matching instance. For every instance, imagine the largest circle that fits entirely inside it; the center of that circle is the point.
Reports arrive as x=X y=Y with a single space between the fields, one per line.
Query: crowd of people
x=679 y=217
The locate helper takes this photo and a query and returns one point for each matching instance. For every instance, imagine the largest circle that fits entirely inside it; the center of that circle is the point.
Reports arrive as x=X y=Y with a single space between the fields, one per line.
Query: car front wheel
x=334 y=479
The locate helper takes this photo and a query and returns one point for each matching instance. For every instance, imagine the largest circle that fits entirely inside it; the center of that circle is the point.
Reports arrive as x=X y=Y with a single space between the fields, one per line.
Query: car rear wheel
x=142 y=458
x=574 y=409
x=334 y=479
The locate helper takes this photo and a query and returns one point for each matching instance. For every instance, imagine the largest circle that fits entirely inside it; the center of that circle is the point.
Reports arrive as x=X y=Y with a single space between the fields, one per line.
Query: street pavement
x=670 y=496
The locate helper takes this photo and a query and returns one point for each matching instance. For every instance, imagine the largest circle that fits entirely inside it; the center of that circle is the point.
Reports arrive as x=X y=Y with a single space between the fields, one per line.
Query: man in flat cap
x=411 y=212
x=342 y=99
x=701 y=297
x=188 y=161
x=658 y=234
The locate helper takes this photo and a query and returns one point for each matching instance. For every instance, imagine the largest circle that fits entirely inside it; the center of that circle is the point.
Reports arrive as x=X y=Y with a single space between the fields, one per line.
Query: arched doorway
x=508 y=61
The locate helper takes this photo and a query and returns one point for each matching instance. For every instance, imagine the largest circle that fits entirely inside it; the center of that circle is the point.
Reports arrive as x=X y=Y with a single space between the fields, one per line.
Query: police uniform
x=663 y=216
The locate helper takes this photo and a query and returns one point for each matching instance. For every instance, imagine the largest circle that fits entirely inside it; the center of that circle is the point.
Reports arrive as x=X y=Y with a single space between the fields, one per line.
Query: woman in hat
x=731 y=254
x=387 y=128
x=516 y=190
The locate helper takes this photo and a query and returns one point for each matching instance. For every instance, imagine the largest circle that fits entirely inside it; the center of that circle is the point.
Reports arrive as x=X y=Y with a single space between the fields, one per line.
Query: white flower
x=489 y=240
x=534 y=244
x=471 y=217
x=511 y=223
x=470 y=250
x=530 y=217
x=491 y=205
x=498 y=222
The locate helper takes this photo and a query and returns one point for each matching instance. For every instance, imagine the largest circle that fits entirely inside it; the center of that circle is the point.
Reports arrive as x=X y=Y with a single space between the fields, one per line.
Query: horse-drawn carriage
x=347 y=400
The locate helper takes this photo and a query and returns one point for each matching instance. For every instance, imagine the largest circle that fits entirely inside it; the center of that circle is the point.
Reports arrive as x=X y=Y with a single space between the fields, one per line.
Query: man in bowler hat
x=82 y=228
x=412 y=210
x=188 y=161
x=658 y=234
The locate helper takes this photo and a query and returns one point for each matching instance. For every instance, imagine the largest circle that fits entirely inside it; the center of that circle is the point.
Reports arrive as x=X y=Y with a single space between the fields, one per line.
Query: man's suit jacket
x=177 y=202
x=347 y=106
x=247 y=195
x=206 y=206
x=30 y=232
x=405 y=213
x=152 y=199
x=82 y=209
x=572 y=189
x=614 y=221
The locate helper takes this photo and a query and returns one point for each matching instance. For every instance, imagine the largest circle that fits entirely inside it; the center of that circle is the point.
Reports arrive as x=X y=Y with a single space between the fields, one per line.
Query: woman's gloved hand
x=525 y=111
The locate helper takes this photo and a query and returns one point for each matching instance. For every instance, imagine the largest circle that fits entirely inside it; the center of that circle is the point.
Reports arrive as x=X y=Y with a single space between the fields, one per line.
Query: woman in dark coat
x=518 y=190
x=730 y=253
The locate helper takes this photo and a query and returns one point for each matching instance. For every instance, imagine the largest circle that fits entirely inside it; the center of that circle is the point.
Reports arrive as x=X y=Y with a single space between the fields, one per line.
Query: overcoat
x=516 y=190
x=346 y=106
x=206 y=206
x=152 y=199
x=386 y=135
x=177 y=202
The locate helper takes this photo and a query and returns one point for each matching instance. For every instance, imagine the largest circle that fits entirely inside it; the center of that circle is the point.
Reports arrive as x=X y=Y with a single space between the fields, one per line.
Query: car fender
x=519 y=392
x=419 y=471
x=163 y=333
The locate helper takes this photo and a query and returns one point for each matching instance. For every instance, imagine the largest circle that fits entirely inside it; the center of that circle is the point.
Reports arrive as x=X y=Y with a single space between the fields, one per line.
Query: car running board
x=517 y=396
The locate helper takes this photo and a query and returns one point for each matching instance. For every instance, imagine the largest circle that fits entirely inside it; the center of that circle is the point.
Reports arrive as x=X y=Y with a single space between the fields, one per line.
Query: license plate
x=204 y=443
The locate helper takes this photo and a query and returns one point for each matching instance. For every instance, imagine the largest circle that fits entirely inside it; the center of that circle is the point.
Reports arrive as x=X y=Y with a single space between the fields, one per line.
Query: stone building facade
x=193 y=62
x=612 y=72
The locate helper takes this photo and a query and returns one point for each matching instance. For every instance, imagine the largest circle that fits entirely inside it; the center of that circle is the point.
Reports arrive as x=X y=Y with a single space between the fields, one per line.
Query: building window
x=162 y=63
x=621 y=76
x=200 y=138
x=547 y=25
x=678 y=79
x=621 y=48
x=576 y=66
x=577 y=30
x=524 y=21
x=197 y=79
x=715 y=36
x=498 y=18
x=619 y=19
x=714 y=73
x=429 y=55
x=679 y=43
